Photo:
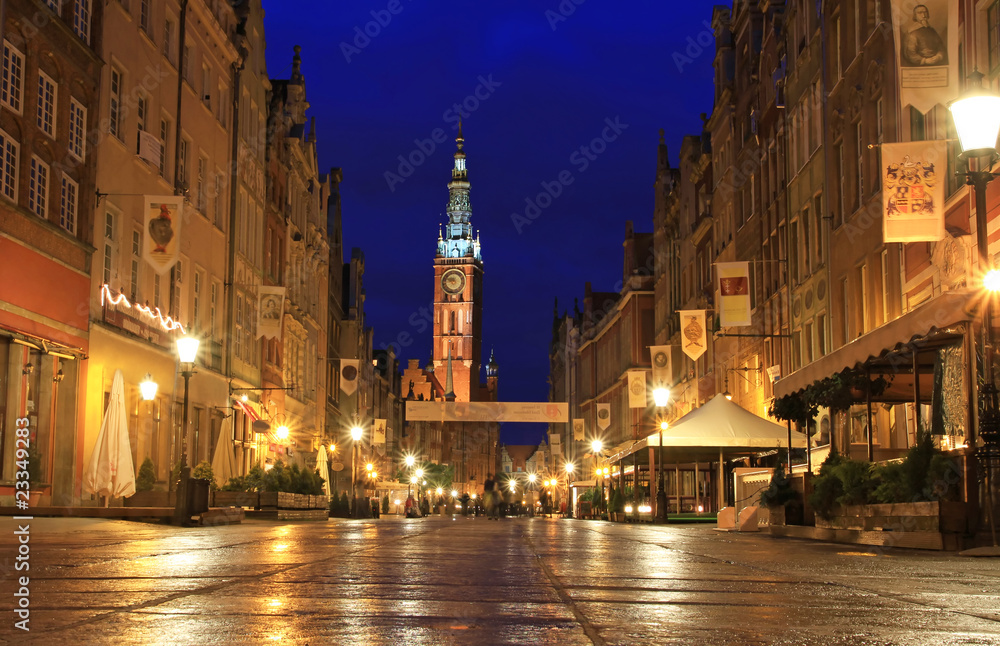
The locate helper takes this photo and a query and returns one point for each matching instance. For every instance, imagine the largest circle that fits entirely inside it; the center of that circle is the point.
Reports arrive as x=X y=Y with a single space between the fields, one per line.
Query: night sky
x=572 y=90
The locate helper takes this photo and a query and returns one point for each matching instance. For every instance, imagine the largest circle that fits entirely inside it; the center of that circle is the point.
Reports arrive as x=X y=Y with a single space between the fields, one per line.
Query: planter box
x=268 y=499
x=150 y=499
x=235 y=499
x=936 y=516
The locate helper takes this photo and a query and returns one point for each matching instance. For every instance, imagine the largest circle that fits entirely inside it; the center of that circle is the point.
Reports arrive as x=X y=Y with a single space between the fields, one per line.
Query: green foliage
x=891 y=483
x=827 y=487
x=292 y=479
x=856 y=477
x=146 y=478
x=204 y=471
x=385 y=504
x=36 y=465
x=616 y=501
x=252 y=481
x=794 y=407
x=780 y=492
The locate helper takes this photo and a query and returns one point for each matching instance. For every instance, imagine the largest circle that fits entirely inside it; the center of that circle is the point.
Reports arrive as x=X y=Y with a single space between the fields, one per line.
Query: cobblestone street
x=470 y=581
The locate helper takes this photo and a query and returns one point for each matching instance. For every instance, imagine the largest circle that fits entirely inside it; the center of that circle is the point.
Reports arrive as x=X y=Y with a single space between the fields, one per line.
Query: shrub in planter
x=146 y=478
x=617 y=502
x=385 y=504
x=827 y=487
x=204 y=471
x=345 y=505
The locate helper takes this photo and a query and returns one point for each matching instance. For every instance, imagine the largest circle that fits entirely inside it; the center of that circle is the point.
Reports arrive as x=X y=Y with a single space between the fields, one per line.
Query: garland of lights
x=167 y=323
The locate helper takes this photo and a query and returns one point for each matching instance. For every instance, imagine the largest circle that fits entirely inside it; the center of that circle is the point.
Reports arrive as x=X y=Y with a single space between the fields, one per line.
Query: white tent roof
x=724 y=424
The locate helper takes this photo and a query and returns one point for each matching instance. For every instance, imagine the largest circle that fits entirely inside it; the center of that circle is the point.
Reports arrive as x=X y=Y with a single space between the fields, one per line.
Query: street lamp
x=977 y=120
x=356 y=433
x=187 y=352
x=595 y=447
x=148 y=387
x=661 y=397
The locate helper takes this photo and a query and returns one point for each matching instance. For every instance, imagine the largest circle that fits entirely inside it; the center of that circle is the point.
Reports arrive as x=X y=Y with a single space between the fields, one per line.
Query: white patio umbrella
x=324 y=469
x=110 y=472
x=223 y=460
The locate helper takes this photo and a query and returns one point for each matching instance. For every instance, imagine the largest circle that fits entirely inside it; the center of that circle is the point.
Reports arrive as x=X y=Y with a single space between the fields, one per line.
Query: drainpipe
x=230 y=286
x=180 y=97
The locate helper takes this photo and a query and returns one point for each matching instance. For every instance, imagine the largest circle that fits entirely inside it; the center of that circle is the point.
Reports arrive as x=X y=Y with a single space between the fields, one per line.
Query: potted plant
x=781 y=499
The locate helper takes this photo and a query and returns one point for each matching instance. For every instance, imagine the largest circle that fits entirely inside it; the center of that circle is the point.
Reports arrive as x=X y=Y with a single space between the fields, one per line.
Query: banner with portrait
x=636 y=388
x=603 y=416
x=913 y=191
x=660 y=356
x=734 y=293
x=926 y=34
x=270 y=308
x=578 y=429
x=161 y=230
x=694 y=340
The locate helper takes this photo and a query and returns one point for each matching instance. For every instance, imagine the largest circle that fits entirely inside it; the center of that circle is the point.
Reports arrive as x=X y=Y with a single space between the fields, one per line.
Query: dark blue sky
x=539 y=84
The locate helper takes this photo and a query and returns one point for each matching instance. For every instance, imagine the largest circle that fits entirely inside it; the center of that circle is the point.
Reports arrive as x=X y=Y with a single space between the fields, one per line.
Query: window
x=38 y=188
x=863 y=292
x=144 y=15
x=818 y=227
x=115 y=108
x=223 y=105
x=168 y=38
x=993 y=35
x=821 y=335
x=81 y=19
x=845 y=304
x=196 y=305
x=841 y=202
x=182 y=163
x=77 y=128
x=141 y=112
x=13 y=77
x=835 y=44
x=176 y=279
x=134 y=269
x=860 y=144
x=213 y=305
x=807 y=342
x=186 y=63
x=67 y=204
x=109 y=245
x=879 y=117
x=201 y=195
x=206 y=85
x=885 y=286
x=219 y=199
x=238 y=333
x=807 y=249
x=9 y=149
x=54 y=5
x=164 y=133
x=45 y=112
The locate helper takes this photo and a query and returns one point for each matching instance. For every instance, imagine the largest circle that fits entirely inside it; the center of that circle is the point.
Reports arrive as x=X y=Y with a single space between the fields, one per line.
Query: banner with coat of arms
x=694 y=340
x=378 y=437
x=578 y=429
x=162 y=222
x=734 y=293
x=603 y=416
x=913 y=191
x=636 y=389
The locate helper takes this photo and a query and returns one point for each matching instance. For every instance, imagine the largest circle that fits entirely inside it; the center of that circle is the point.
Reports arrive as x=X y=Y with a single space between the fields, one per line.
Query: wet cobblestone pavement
x=470 y=581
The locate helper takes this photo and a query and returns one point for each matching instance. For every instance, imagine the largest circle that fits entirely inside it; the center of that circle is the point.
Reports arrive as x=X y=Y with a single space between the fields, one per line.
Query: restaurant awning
x=929 y=325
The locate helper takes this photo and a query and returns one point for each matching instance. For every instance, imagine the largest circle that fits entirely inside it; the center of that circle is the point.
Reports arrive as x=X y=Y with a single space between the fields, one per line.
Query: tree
x=146 y=478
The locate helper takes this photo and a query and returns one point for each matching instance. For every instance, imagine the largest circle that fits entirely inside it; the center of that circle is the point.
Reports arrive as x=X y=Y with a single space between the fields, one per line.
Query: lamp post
x=569 y=498
x=977 y=120
x=187 y=352
x=356 y=433
x=661 y=396
x=410 y=461
x=595 y=447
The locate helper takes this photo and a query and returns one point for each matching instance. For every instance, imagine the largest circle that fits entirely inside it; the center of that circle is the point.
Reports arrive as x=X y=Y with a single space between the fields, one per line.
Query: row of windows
x=38 y=184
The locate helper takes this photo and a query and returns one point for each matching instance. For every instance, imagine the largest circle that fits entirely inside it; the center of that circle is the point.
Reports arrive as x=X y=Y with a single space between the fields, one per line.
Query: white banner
x=161 y=243
x=438 y=411
x=660 y=355
x=693 y=338
x=734 y=293
x=913 y=191
x=774 y=373
x=270 y=308
x=578 y=429
x=349 y=376
x=150 y=148
x=603 y=416
x=636 y=389
x=926 y=52
x=378 y=436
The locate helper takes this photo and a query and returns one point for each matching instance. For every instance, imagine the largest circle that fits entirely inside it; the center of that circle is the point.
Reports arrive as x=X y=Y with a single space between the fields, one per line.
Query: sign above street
x=438 y=411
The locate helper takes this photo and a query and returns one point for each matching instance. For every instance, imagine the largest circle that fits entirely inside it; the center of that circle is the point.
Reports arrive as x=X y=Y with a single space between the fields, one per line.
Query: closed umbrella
x=223 y=461
x=324 y=469
x=110 y=472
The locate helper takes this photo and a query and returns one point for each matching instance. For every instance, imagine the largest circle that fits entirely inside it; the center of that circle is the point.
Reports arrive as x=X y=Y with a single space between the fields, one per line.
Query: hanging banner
x=694 y=340
x=660 y=355
x=926 y=51
x=734 y=293
x=378 y=437
x=161 y=244
x=603 y=416
x=913 y=191
x=270 y=307
x=349 y=376
x=578 y=429
x=636 y=389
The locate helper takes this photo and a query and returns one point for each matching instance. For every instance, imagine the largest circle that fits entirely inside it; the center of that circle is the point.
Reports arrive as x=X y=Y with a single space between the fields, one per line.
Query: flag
x=150 y=148
x=578 y=429
x=926 y=35
x=161 y=244
x=603 y=416
x=734 y=293
x=270 y=307
x=636 y=389
x=693 y=337
x=913 y=191
x=349 y=376
x=378 y=437
x=774 y=373
x=660 y=355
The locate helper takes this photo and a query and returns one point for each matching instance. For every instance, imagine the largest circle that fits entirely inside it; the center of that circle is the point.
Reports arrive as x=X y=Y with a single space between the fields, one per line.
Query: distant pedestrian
x=490 y=498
